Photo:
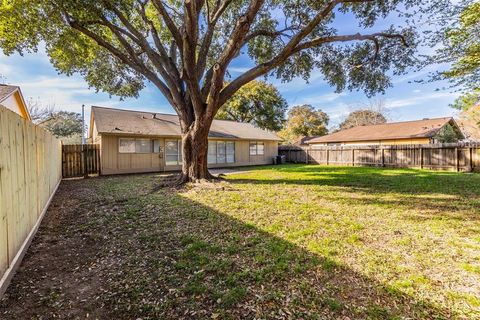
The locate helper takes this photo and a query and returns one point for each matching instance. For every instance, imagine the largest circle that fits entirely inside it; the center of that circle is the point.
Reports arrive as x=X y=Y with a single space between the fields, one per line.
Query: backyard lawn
x=284 y=242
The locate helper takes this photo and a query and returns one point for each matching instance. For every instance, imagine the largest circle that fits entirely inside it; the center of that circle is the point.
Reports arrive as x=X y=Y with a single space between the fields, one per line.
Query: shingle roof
x=395 y=130
x=6 y=91
x=118 y=121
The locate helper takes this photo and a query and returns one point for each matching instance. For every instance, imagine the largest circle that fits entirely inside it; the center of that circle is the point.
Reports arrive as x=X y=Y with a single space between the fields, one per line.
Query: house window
x=126 y=145
x=257 y=148
x=143 y=146
x=132 y=145
x=173 y=152
x=221 y=152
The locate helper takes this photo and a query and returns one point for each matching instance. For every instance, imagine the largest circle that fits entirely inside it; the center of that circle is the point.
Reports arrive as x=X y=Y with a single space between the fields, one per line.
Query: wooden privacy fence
x=458 y=157
x=30 y=171
x=80 y=160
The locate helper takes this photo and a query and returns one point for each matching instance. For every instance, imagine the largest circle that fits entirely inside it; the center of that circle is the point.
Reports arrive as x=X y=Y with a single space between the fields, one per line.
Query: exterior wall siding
x=114 y=162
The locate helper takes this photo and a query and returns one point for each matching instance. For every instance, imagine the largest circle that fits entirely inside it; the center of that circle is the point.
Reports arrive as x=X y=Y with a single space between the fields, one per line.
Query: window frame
x=226 y=151
x=126 y=152
x=218 y=152
x=152 y=141
x=256 y=150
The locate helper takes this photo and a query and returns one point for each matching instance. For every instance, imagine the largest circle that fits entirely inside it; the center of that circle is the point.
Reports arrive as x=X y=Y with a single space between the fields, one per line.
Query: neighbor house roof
x=118 y=121
x=425 y=128
x=6 y=91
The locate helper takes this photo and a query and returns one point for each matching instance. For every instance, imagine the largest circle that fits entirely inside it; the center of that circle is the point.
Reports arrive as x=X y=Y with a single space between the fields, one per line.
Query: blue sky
x=406 y=100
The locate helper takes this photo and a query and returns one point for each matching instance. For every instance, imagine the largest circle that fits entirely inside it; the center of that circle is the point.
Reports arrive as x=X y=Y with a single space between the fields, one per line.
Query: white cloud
x=318 y=100
x=5 y=69
x=412 y=101
x=417 y=90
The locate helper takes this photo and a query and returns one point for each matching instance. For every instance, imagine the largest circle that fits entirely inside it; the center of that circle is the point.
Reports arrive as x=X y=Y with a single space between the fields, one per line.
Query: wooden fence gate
x=80 y=160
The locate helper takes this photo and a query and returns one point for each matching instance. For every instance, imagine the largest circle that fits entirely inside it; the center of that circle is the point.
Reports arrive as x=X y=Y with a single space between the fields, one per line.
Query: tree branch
x=264 y=68
x=158 y=4
x=231 y=50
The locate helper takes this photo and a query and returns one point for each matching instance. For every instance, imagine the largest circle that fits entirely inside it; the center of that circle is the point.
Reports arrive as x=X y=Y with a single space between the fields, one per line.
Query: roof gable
x=7 y=92
x=426 y=128
x=118 y=121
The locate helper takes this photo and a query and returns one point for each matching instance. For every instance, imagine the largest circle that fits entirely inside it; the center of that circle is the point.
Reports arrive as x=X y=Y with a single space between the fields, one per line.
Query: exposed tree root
x=180 y=180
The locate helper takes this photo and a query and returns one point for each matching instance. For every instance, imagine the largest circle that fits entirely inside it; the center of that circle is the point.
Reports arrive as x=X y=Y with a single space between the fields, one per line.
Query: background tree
x=256 y=102
x=184 y=48
x=469 y=122
x=448 y=134
x=304 y=121
x=363 y=117
x=65 y=125
x=39 y=112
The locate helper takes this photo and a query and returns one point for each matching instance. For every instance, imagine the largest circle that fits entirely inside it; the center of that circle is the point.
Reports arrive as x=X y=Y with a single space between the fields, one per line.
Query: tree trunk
x=195 y=152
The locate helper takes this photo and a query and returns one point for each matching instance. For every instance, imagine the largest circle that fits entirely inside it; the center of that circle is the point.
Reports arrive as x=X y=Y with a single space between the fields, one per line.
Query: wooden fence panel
x=30 y=170
x=456 y=157
x=79 y=160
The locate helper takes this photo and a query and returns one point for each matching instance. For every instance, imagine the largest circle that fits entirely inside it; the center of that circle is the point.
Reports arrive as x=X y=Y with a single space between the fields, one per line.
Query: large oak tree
x=184 y=48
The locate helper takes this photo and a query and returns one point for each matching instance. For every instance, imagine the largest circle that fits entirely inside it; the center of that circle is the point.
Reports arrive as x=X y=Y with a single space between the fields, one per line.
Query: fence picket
x=80 y=160
x=457 y=157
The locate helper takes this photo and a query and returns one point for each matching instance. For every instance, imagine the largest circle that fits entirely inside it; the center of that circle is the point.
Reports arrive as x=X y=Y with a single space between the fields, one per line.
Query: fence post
x=470 y=159
x=421 y=158
x=383 y=157
x=353 y=157
x=306 y=160
x=85 y=159
x=327 y=156
x=457 y=160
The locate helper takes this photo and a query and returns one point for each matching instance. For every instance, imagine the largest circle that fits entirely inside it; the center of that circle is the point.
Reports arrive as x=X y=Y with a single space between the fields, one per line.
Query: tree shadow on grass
x=373 y=179
x=163 y=256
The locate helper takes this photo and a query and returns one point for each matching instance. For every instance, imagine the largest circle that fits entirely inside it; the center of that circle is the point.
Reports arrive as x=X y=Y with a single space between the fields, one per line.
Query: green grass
x=413 y=233
x=291 y=241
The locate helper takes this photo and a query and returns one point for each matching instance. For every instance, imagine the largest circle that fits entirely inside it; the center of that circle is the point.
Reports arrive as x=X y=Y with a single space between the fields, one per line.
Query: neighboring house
x=424 y=131
x=11 y=97
x=135 y=141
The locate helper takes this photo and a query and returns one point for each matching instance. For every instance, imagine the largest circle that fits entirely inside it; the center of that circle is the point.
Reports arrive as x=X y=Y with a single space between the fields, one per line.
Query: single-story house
x=11 y=97
x=136 y=141
x=424 y=131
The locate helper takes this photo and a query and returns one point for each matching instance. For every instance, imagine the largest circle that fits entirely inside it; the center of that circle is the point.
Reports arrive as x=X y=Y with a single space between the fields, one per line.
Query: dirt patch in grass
x=275 y=243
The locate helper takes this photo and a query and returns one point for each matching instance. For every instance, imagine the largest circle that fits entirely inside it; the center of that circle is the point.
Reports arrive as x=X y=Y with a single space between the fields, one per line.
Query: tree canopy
x=363 y=117
x=459 y=37
x=256 y=102
x=184 y=48
x=64 y=125
x=304 y=121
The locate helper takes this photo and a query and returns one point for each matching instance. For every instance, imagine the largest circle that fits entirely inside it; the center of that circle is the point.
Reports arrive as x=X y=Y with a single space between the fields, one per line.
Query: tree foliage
x=256 y=102
x=304 y=121
x=459 y=36
x=64 y=125
x=448 y=134
x=363 y=117
x=463 y=42
x=185 y=48
x=467 y=100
